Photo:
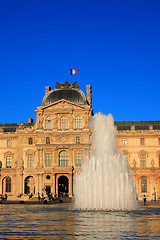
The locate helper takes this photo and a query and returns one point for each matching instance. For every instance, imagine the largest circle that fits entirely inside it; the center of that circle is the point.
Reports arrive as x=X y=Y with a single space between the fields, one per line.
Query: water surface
x=59 y=221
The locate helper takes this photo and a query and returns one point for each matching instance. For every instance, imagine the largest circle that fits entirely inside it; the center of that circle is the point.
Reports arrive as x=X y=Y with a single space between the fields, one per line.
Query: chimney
x=47 y=89
x=89 y=94
x=30 y=120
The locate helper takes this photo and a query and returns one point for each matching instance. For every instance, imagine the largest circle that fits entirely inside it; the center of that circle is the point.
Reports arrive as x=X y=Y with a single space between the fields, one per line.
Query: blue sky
x=114 y=44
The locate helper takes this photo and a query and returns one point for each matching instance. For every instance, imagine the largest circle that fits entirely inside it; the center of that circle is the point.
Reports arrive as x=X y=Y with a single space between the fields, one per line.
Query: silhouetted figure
x=5 y=196
x=144 y=199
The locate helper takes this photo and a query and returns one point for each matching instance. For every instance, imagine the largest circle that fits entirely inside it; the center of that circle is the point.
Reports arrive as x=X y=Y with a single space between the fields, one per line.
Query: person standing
x=144 y=199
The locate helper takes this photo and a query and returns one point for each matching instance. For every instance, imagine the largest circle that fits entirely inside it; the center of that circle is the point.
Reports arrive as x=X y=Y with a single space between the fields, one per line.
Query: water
x=105 y=181
x=59 y=221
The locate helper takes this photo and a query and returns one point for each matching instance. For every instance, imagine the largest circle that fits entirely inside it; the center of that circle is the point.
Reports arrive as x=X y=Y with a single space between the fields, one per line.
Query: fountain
x=105 y=182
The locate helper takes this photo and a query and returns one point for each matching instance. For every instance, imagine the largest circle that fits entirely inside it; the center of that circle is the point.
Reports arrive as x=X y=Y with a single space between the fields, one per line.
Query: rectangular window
x=63 y=122
x=142 y=141
x=30 y=141
x=48 y=123
x=78 y=122
x=159 y=160
x=143 y=161
x=78 y=159
x=77 y=140
x=124 y=141
x=159 y=141
x=47 y=140
x=8 y=162
x=144 y=184
x=8 y=143
x=30 y=160
x=48 y=159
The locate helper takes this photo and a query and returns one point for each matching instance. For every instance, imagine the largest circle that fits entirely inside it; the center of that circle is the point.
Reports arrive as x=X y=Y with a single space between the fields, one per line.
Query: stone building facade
x=45 y=155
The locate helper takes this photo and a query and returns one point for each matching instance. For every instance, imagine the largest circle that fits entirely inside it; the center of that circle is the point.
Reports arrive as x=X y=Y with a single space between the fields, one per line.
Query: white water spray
x=105 y=182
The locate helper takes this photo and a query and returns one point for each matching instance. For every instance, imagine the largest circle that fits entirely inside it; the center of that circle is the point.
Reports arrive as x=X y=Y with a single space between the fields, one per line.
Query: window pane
x=63 y=122
x=8 y=143
x=30 y=160
x=142 y=141
x=48 y=159
x=143 y=160
x=47 y=140
x=144 y=184
x=78 y=122
x=30 y=141
x=124 y=141
x=48 y=123
x=77 y=140
x=8 y=184
x=8 y=162
x=63 y=159
x=78 y=159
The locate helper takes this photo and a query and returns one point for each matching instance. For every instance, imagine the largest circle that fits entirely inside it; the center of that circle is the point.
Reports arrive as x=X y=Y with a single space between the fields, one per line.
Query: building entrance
x=62 y=186
x=29 y=185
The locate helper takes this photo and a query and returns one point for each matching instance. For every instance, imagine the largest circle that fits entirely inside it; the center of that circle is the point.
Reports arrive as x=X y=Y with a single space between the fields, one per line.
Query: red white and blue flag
x=72 y=71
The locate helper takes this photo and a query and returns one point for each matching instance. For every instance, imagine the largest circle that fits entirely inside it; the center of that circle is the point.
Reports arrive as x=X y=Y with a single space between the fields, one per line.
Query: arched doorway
x=6 y=185
x=62 y=186
x=29 y=185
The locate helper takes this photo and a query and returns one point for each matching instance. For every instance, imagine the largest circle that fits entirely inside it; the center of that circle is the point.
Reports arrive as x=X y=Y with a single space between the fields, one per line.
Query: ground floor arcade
x=57 y=182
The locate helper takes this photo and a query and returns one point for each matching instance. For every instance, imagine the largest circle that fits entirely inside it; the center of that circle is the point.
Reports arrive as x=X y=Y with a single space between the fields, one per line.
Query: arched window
x=48 y=123
x=143 y=184
x=47 y=140
x=78 y=122
x=63 y=122
x=8 y=161
x=8 y=184
x=48 y=159
x=63 y=159
x=143 y=160
x=30 y=160
x=30 y=141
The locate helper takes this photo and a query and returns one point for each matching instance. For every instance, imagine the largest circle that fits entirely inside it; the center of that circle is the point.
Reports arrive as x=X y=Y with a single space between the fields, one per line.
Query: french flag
x=72 y=71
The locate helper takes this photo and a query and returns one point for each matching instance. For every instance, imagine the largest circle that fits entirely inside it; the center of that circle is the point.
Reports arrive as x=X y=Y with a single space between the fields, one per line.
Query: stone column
x=40 y=183
x=38 y=157
x=70 y=185
x=1 y=182
x=38 y=188
x=41 y=158
x=54 y=185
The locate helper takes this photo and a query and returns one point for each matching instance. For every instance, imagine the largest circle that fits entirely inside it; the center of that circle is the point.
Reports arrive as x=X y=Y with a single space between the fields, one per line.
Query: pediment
x=62 y=104
x=8 y=153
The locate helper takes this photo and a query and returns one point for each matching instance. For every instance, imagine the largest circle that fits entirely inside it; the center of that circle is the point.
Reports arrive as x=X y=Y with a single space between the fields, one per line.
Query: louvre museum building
x=44 y=156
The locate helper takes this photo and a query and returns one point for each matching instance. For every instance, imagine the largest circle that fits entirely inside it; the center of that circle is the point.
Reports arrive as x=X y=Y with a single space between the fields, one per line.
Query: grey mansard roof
x=139 y=125
x=67 y=91
x=11 y=127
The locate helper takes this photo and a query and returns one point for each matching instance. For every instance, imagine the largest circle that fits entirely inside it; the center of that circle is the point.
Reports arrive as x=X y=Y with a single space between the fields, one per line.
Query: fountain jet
x=105 y=182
